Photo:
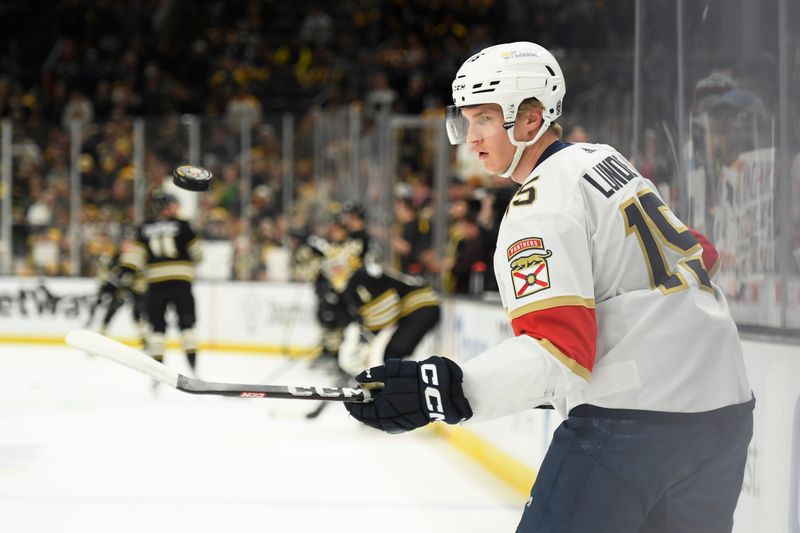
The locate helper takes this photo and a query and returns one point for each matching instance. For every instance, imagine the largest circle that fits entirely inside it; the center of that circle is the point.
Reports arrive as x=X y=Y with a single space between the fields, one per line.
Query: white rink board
x=264 y=316
x=770 y=499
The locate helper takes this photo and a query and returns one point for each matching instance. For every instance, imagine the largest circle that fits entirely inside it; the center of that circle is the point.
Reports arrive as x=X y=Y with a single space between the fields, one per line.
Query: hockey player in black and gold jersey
x=116 y=287
x=165 y=250
x=393 y=312
x=344 y=236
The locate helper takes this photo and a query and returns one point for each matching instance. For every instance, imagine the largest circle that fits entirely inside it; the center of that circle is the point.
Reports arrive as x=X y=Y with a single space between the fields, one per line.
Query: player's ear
x=528 y=123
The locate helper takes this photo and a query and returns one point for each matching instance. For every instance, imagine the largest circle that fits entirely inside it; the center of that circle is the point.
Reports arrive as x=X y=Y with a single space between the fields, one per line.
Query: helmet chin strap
x=521 y=145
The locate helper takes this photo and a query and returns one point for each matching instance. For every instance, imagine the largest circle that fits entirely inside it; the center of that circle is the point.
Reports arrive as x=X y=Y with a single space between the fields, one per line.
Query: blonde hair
x=529 y=104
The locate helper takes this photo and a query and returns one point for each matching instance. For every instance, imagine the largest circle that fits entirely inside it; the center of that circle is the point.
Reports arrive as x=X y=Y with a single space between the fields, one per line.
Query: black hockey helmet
x=351 y=207
x=161 y=200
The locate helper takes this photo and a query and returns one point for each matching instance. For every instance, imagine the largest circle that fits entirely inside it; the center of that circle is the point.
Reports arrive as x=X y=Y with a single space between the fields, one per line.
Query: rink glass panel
x=702 y=97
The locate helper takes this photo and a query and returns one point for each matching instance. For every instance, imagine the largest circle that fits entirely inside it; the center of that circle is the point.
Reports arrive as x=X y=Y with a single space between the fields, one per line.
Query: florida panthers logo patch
x=527 y=259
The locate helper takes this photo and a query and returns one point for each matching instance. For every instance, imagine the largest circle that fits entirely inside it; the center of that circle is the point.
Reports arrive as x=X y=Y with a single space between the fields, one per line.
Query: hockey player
x=332 y=315
x=616 y=321
x=389 y=314
x=116 y=287
x=346 y=237
x=166 y=250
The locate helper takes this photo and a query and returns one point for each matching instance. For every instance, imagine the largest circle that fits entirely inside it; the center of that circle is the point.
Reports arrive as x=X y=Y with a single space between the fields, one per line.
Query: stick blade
x=94 y=343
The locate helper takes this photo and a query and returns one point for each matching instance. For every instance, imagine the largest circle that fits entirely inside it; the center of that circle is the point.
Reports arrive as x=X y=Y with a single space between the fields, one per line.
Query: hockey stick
x=321 y=406
x=290 y=362
x=97 y=344
x=367 y=337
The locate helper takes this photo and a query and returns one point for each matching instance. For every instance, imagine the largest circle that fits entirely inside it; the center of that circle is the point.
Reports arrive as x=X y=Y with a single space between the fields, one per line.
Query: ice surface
x=88 y=446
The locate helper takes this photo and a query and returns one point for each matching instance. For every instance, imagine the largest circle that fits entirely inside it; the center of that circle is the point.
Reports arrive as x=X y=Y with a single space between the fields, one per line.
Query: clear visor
x=457 y=125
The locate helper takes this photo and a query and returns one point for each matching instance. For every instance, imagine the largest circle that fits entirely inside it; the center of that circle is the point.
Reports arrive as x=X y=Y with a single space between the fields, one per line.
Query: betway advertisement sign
x=271 y=317
x=46 y=306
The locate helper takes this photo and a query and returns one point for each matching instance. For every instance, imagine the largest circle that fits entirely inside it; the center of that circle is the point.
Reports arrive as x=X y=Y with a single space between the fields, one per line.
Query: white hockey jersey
x=608 y=296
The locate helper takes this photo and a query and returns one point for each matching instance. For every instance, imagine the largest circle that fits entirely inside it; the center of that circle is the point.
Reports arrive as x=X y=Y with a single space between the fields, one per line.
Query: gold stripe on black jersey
x=195 y=250
x=381 y=311
x=388 y=299
x=424 y=297
x=169 y=271
x=135 y=257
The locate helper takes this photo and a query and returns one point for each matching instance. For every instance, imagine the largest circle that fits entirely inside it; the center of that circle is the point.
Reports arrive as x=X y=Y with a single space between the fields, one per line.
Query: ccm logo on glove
x=433 y=398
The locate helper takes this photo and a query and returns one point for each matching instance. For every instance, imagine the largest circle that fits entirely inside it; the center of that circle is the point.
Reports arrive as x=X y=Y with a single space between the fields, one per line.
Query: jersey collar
x=557 y=146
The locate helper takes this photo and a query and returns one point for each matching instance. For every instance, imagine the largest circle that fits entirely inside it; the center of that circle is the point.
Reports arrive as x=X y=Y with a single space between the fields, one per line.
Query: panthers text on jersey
x=609 y=298
x=166 y=250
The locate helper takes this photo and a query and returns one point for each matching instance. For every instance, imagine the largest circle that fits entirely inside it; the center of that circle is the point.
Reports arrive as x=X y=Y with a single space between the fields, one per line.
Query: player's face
x=338 y=232
x=488 y=138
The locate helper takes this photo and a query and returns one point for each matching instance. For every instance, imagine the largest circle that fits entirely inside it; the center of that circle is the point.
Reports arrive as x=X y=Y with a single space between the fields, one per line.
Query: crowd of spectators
x=97 y=65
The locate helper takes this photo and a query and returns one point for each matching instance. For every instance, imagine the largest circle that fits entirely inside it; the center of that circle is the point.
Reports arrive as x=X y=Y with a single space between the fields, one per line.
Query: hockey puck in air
x=192 y=178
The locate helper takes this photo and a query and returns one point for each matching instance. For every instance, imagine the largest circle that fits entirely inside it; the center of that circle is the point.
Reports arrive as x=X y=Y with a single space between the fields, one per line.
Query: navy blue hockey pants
x=604 y=475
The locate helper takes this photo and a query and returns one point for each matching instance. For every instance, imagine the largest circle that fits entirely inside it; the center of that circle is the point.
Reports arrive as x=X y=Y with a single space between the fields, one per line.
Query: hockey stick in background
x=290 y=362
x=97 y=344
x=365 y=337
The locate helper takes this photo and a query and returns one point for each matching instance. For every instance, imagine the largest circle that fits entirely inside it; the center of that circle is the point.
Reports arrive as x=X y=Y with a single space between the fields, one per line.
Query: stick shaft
x=314 y=413
x=108 y=348
x=340 y=394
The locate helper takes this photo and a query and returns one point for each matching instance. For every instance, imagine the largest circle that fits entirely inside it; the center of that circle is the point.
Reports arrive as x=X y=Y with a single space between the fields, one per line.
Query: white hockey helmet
x=507 y=74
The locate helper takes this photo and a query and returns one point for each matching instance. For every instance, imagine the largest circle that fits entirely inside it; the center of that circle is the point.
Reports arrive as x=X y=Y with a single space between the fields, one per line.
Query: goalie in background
x=166 y=249
x=116 y=288
x=344 y=235
x=389 y=314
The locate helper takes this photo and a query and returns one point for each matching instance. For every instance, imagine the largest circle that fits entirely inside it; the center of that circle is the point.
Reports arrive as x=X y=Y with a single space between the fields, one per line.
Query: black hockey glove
x=414 y=393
